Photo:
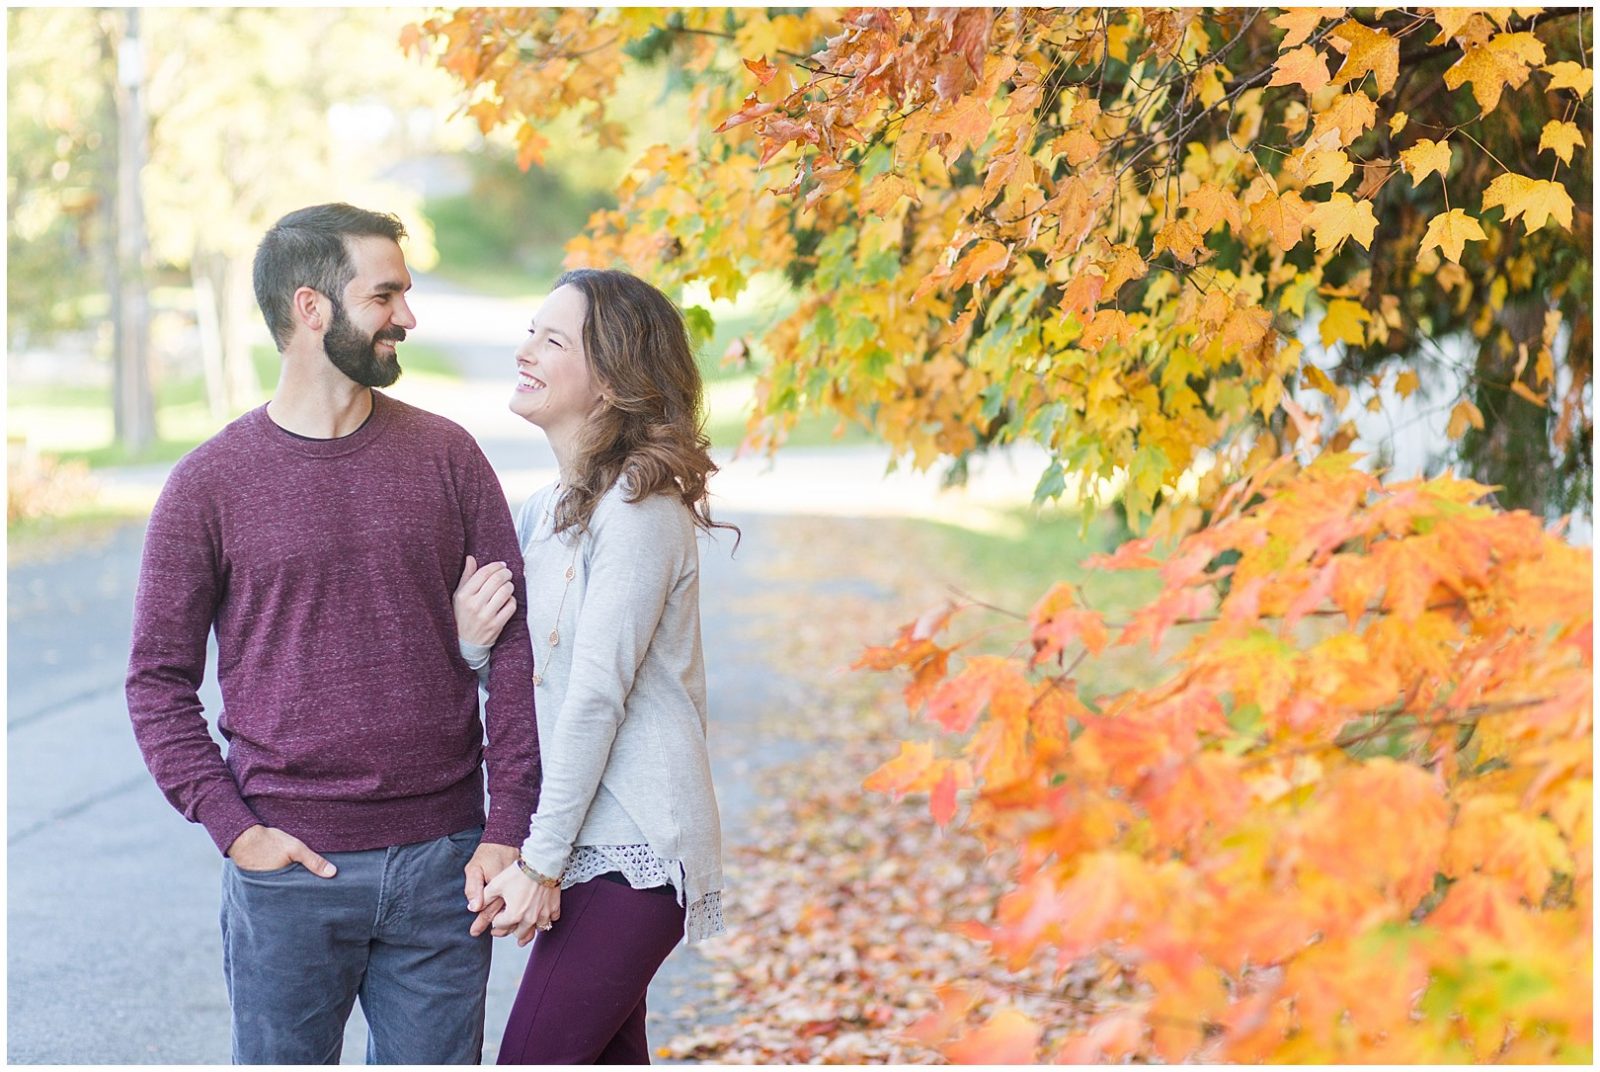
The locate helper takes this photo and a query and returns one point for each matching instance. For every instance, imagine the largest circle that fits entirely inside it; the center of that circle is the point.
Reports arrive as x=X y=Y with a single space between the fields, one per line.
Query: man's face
x=372 y=316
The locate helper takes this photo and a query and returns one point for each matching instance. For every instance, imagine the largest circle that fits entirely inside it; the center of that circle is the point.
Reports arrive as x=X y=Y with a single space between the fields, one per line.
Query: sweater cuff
x=225 y=816
x=546 y=856
x=507 y=825
x=477 y=655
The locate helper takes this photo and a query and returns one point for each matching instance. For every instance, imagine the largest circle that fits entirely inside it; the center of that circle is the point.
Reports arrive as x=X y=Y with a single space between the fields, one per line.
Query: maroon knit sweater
x=327 y=567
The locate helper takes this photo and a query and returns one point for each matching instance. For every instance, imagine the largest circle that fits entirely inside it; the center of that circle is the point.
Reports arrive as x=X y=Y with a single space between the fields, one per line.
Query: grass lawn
x=1014 y=567
x=728 y=404
x=80 y=528
x=76 y=424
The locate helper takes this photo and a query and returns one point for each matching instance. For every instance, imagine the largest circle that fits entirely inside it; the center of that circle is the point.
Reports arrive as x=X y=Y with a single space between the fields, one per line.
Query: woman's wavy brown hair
x=649 y=429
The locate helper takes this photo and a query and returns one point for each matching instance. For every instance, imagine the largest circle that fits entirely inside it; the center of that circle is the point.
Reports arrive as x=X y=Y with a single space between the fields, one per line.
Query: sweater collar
x=371 y=428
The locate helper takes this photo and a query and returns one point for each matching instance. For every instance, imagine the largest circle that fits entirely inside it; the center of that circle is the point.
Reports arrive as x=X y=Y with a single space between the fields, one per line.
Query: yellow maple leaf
x=1303 y=67
x=1397 y=122
x=1343 y=323
x=1342 y=217
x=885 y=191
x=908 y=772
x=1464 y=414
x=1560 y=138
x=1450 y=20
x=1426 y=157
x=1449 y=231
x=1570 y=75
x=1209 y=83
x=1407 y=383
x=967 y=121
x=1503 y=62
x=1299 y=23
x=1535 y=200
x=1351 y=114
x=1494 y=836
x=1370 y=50
x=1326 y=165
x=1117 y=36
x=530 y=146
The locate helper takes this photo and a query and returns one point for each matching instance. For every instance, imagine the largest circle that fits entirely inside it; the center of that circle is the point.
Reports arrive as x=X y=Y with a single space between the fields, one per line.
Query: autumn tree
x=1105 y=231
x=1353 y=820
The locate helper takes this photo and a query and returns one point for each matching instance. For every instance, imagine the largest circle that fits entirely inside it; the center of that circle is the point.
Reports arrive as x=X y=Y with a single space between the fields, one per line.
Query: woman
x=625 y=850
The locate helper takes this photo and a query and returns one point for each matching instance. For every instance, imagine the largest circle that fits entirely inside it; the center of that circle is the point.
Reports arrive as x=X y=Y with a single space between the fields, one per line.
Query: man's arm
x=179 y=588
x=512 y=753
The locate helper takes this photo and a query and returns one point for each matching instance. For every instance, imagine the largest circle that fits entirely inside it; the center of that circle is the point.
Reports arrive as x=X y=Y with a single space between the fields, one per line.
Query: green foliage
x=60 y=138
x=505 y=234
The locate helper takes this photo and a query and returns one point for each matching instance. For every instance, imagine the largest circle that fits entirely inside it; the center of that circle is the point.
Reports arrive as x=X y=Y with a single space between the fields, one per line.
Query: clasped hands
x=506 y=900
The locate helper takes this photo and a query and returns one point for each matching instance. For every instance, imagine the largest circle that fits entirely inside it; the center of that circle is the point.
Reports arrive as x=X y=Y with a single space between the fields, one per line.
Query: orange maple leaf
x=1283 y=216
x=1304 y=67
x=1009 y=1037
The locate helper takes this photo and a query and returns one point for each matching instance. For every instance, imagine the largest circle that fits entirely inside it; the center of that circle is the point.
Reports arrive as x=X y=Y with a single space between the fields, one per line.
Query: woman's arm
x=637 y=556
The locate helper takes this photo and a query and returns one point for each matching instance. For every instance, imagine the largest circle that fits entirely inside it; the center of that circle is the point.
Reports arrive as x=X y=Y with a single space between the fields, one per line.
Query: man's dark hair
x=307 y=249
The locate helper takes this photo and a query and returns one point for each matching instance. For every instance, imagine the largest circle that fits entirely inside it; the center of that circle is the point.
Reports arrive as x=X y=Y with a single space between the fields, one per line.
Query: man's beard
x=356 y=355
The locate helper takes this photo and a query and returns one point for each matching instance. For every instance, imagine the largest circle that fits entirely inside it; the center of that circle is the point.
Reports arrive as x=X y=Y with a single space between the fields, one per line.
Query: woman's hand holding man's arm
x=484 y=602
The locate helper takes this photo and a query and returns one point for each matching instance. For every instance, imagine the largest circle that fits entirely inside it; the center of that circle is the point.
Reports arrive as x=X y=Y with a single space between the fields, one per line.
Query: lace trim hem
x=644 y=869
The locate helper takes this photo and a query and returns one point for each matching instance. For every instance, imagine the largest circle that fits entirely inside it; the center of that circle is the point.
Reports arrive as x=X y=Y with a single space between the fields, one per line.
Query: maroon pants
x=582 y=997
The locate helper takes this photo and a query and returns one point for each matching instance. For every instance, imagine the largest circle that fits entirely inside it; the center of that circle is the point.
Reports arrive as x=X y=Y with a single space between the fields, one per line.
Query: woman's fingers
x=497 y=597
x=483 y=612
x=484 y=578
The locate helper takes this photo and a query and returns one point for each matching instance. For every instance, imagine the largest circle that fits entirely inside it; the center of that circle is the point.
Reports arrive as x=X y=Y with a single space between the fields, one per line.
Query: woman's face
x=555 y=388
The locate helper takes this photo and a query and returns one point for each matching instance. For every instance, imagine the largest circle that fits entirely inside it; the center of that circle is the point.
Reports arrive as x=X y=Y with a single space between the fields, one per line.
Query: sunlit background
x=150 y=149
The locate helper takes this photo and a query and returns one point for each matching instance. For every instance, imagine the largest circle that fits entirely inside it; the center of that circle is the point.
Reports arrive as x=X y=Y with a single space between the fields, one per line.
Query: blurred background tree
x=248 y=114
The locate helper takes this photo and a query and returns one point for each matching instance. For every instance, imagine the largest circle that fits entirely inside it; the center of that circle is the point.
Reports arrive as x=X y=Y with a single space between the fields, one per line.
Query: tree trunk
x=208 y=319
x=238 y=309
x=133 y=401
x=1513 y=450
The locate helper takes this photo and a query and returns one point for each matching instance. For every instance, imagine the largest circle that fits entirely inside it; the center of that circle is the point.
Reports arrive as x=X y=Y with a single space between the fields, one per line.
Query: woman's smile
x=527 y=381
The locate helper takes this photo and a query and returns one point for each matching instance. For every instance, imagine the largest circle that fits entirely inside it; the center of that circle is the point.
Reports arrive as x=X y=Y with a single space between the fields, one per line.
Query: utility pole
x=133 y=403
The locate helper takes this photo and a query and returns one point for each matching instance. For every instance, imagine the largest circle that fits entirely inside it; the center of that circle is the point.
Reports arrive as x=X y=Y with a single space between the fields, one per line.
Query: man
x=322 y=536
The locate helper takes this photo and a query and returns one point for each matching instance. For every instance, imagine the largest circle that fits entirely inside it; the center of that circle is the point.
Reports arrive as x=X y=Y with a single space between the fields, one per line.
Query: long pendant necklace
x=572 y=571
